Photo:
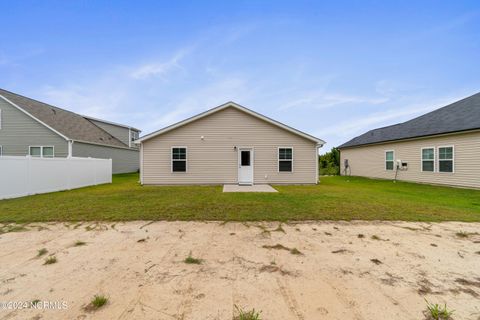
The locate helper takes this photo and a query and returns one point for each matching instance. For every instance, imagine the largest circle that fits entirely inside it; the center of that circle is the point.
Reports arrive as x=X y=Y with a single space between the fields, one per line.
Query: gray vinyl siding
x=121 y=133
x=369 y=161
x=19 y=131
x=123 y=160
x=214 y=160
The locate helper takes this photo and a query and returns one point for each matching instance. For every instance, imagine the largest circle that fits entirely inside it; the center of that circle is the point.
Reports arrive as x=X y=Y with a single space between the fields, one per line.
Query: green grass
x=192 y=260
x=335 y=198
x=97 y=302
x=50 y=260
x=246 y=315
x=42 y=252
x=437 y=312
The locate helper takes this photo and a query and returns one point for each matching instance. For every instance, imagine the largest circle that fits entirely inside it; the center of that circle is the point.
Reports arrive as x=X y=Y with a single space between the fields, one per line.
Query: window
x=47 y=152
x=428 y=159
x=36 y=151
x=389 y=159
x=285 y=159
x=1 y=151
x=134 y=135
x=445 y=159
x=0 y=118
x=179 y=159
x=245 y=158
x=41 y=151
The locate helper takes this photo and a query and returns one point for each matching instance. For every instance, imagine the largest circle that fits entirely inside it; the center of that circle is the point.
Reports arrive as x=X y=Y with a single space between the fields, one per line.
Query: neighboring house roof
x=69 y=125
x=462 y=115
x=238 y=107
x=112 y=123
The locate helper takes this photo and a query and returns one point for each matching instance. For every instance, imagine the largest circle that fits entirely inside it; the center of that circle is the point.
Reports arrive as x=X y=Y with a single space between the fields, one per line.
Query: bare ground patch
x=198 y=270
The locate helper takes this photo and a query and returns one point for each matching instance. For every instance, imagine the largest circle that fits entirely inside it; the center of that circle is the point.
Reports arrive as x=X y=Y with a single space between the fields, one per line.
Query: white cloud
x=328 y=100
x=198 y=100
x=159 y=69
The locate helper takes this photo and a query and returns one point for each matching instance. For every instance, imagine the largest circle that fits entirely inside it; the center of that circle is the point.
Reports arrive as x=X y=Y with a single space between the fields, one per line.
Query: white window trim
x=41 y=151
x=434 y=159
x=278 y=160
x=453 y=159
x=385 y=160
x=30 y=151
x=171 y=160
x=53 y=150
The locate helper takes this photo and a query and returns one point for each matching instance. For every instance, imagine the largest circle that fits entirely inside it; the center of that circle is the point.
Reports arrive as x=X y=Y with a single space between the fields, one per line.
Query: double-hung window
x=389 y=159
x=428 y=159
x=41 y=151
x=134 y=135
x=445 y=159
x=285 y=159
x=179 y=159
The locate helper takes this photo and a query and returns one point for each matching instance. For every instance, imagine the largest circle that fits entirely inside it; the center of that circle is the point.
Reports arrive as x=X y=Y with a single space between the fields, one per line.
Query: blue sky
x=333 y=69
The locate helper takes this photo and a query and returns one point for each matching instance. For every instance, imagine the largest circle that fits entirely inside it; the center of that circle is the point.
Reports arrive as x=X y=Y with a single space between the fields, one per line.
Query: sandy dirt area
x=354 y=270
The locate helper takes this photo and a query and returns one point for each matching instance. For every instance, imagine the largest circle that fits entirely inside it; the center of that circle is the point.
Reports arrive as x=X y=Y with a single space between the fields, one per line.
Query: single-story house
x=440 y=147
x=229 y=144
x=30 y=127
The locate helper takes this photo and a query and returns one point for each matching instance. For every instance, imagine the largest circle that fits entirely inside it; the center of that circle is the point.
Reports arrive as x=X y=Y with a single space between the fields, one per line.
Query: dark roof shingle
x=68 y=123
x=459 y=116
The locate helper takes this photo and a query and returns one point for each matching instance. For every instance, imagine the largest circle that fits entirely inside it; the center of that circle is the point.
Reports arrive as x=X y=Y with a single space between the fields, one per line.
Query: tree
x=329 y=163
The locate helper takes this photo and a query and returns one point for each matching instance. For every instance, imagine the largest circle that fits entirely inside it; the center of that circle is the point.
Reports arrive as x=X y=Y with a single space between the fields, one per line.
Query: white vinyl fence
x=22 y=176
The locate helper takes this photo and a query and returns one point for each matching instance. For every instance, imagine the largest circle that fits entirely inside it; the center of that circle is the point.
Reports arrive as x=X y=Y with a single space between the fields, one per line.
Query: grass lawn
x=335 y=198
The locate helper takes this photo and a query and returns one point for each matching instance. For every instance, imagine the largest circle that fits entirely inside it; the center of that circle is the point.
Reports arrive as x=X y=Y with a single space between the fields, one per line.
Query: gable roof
x=111 y=123
x=69 y=125
x=459 y=116
x=231 y=104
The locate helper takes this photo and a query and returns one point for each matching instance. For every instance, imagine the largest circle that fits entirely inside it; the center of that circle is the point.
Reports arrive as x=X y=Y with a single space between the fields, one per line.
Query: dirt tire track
x=290 y=300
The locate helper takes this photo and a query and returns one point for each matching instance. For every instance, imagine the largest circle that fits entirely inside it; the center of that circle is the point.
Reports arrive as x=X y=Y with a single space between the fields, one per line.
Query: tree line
x=329 y=163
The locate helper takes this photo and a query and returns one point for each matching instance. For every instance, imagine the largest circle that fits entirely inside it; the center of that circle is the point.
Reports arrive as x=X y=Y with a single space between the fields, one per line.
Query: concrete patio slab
x=254 y=188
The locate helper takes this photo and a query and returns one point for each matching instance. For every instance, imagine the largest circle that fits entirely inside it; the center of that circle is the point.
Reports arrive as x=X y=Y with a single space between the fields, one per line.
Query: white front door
x=245 y=166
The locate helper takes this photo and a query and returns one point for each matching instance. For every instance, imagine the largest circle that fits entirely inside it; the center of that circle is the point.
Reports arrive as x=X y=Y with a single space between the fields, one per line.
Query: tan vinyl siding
x=123 y=160
x=369 y=161
x=19 y=131
x=213 y=160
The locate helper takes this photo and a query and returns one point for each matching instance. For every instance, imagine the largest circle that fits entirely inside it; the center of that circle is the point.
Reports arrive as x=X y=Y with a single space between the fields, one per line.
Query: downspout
x=317 y=148
x=141 y=163
x=70 y=148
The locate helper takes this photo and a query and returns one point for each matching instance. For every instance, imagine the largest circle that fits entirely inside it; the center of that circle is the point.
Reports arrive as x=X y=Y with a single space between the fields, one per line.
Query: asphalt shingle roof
x=70 y=124
x=459 y=116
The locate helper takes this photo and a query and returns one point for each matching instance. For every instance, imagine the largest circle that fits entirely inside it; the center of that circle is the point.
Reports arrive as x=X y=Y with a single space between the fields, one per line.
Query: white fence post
x=29 y=170
x=21 y=176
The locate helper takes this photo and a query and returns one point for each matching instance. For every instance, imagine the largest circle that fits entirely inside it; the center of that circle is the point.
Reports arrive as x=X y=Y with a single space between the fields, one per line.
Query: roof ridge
x=238 y=107
x=52 y=106
x=442 y=108
x=66 y=123
x=458 y=116
x=118 y=140
x=38 y=101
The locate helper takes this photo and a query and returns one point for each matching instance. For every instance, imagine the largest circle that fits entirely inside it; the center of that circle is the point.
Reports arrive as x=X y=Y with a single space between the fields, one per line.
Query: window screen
x=285 y=159
x=428 y=159
x=389 y=160
x=179 y=159
x=445 y=159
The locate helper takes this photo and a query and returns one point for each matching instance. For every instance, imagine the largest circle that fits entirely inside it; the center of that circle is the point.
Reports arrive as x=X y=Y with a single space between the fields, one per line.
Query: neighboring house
x=30 y=127
x=440 y=147
x=227 y=145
